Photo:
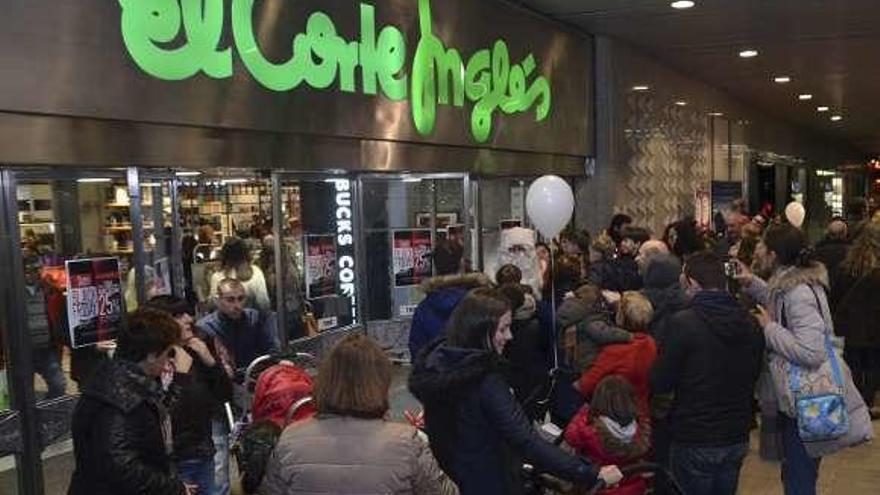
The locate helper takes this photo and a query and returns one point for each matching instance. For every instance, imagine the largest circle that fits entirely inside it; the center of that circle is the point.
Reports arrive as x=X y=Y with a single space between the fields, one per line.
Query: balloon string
x=555 y=330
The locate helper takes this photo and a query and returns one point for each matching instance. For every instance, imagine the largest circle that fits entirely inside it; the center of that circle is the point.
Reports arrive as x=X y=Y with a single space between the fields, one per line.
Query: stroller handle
x=641 y=468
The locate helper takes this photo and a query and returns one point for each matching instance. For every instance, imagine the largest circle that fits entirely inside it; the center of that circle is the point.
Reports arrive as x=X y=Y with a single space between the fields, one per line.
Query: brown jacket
x=346 y=455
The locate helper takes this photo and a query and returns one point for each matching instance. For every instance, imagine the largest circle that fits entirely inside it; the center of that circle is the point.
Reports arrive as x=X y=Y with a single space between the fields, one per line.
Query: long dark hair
x=475 y=319
x=790 y=245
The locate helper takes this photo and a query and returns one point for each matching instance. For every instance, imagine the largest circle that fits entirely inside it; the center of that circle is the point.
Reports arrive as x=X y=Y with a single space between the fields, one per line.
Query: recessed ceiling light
x=682 y=4
x=681 y=103
x=782 y=79
x=716 y=114
x=188 y=174
x=822 y=109
x=748 y=53
x=641 y=87
x=836 y=118
x=805 y=96
x=233 y=181
x=87 y=180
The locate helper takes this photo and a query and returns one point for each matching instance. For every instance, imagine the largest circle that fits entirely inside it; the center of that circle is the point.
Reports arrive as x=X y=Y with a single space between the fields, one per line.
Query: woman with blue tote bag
x=809 y=385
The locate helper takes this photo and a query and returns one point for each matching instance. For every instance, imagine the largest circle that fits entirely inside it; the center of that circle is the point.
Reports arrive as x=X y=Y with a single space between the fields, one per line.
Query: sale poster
x=94 y=300
x=411 y=256
x=321 y=273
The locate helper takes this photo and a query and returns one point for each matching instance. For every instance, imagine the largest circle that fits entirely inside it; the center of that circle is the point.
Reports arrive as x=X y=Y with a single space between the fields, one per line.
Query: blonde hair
x=634 y=312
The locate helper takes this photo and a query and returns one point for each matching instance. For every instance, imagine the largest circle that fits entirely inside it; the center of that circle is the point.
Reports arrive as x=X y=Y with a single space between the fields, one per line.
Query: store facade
x=339 y=140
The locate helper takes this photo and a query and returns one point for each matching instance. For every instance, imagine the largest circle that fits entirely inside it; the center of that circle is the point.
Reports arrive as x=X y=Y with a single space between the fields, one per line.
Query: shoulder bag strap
x=794 y=376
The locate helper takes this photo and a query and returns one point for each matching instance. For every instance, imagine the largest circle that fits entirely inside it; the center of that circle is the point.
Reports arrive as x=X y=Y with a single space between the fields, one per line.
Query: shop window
x=71 y=220
x=502 y=206
x=405 y=218
x=318 y=241
x=217 y=211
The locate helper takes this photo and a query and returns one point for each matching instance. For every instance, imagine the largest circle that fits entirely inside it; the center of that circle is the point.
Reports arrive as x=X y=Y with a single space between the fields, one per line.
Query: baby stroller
x=279 y=392
x=648 y=469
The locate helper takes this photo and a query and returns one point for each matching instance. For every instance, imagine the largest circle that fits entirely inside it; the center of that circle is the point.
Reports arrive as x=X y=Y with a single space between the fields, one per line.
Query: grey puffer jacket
x=347 y=455
x=800 y=294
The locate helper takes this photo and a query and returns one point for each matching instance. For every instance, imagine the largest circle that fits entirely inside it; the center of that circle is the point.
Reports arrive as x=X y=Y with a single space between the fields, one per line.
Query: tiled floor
x=851 y=472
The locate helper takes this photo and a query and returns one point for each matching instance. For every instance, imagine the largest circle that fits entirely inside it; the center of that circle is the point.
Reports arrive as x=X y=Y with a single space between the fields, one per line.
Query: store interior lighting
x=92 y=180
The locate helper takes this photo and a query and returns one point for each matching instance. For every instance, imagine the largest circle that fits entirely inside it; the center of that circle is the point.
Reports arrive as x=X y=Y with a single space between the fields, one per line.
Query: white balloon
x=550 y=204
x=795 y=213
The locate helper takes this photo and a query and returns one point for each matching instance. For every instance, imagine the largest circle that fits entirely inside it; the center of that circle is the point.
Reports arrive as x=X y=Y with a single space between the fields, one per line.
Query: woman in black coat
x=856 y=294
x=479 y=433
x=121 y=429
x=204 y=384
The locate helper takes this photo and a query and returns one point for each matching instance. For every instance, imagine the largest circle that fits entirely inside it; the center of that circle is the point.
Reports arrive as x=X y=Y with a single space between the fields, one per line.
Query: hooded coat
x=632 y=360
x=663 y=290
x=442 y=296
x=603 y=447
x=796 y=296
x=479 y=433
x=711 y=363
x=119 y=441
x=316 y=457
x=592 y=329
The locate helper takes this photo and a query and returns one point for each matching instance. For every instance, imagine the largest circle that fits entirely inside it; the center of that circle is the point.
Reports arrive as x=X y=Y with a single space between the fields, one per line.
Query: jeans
x=48 y=366
x=799 y=471
x=661 y=439
x=707 y=470
x=199 y=472
x=220 y=436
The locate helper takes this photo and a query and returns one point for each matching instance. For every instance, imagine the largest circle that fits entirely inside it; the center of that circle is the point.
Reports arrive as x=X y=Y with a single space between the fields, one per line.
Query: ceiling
x=829 y=48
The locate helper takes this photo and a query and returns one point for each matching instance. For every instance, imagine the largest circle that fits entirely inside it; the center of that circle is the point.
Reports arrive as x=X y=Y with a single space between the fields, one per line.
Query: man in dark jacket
x=443 y=294
x=711 y=363
x=246 y=334
x=663 y=289
x=121 y=430
x=832 y=249
x=662 y=273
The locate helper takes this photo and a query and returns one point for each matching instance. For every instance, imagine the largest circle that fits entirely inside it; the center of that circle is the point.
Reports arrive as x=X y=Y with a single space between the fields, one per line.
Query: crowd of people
x=668 y=349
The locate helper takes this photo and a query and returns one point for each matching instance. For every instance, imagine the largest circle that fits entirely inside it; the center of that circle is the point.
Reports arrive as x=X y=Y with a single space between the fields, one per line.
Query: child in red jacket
x=610 y=431
x=632 y=360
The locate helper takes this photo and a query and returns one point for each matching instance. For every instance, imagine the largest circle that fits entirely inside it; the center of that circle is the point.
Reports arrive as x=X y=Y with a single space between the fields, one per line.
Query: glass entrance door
x=318 y=291
x=85 y=247
x=404 y=219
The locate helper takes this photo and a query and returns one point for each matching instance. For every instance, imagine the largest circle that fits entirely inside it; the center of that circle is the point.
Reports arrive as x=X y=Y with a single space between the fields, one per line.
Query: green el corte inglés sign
x=322 y=59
